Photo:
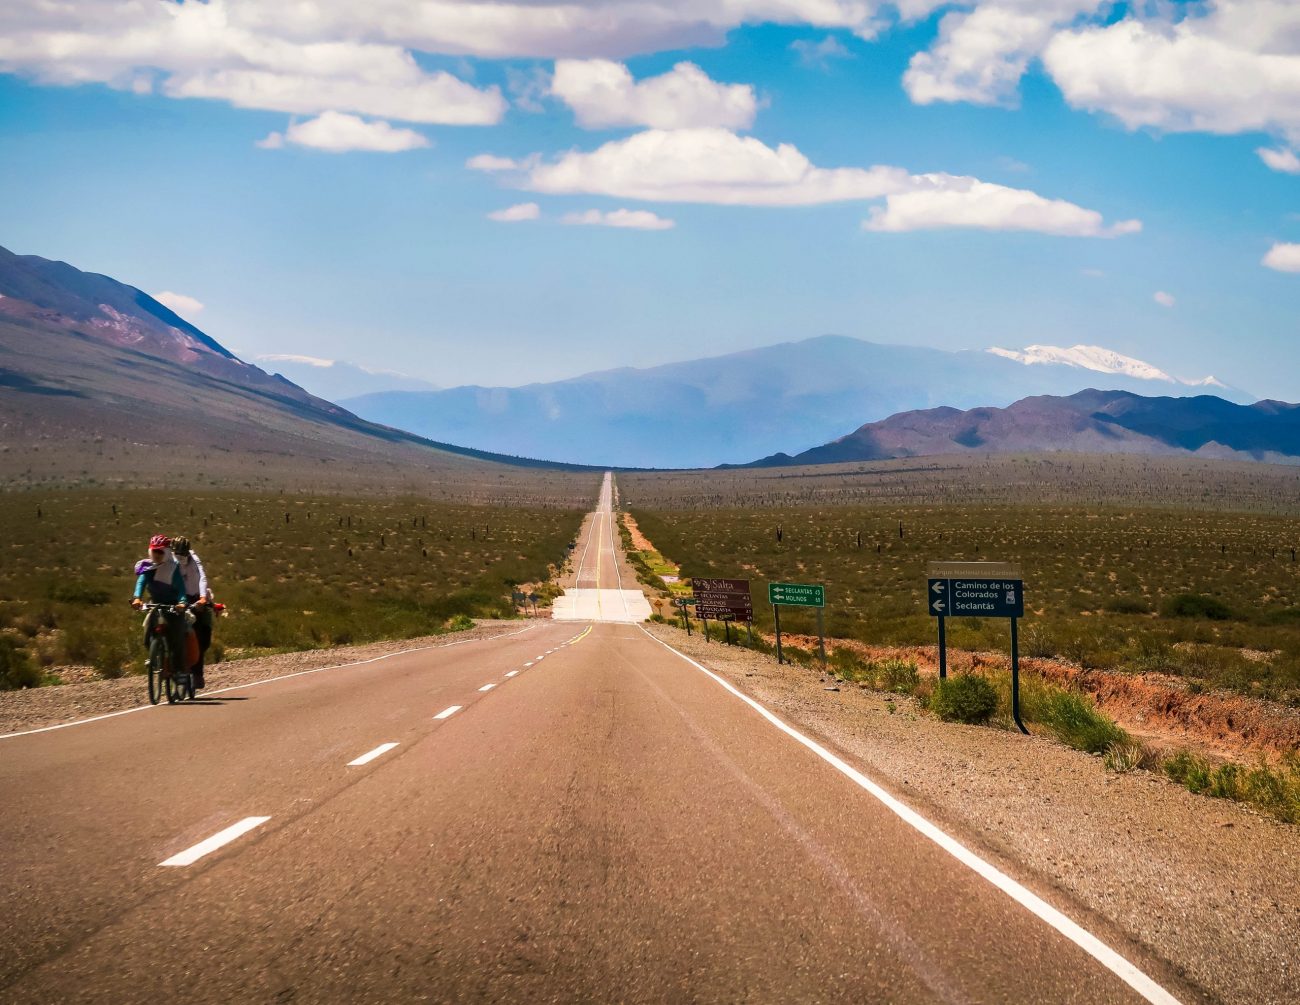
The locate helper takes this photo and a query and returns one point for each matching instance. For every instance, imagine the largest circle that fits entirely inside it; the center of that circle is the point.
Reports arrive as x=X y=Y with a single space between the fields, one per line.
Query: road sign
x=723 y=599
x=796 y=594
x=720 y=585
x=976 y=598
x=978 y=590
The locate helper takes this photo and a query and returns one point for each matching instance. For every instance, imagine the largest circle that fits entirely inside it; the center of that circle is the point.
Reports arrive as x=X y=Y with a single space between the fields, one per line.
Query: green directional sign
x=796 y=594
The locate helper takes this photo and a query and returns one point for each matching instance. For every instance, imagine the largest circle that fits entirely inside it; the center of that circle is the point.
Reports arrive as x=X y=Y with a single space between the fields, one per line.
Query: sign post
x=978 y=590
x=798 y=595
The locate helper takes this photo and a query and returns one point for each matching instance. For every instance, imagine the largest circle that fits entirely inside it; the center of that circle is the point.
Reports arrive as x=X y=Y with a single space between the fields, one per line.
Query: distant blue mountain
x=733 y=408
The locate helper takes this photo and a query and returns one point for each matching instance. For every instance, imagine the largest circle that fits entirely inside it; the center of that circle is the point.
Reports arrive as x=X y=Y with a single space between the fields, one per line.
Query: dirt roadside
x=1211 y=886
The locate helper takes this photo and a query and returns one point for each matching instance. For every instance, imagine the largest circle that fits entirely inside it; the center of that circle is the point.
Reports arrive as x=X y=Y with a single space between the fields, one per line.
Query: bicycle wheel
x=157 y=660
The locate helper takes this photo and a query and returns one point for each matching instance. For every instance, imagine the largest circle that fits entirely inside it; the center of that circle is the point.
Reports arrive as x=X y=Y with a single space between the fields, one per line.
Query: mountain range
x=102 y=384
x=337 y=379
x=735 y=407
x=1091 y=421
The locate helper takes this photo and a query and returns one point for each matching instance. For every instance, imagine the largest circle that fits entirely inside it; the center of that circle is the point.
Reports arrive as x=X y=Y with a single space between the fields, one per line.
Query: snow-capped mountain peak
x=1091 y=357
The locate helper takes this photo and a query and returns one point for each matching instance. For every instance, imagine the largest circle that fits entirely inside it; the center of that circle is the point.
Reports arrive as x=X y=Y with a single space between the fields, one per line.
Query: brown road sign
x=720 y=585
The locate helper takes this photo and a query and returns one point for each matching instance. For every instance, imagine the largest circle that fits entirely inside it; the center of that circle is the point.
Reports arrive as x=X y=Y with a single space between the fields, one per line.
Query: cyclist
x=161 y=576
x=199 y=596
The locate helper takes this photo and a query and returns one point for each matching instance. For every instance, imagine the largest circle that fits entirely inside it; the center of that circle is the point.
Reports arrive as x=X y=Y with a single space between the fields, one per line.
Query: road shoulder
x=1207 y=885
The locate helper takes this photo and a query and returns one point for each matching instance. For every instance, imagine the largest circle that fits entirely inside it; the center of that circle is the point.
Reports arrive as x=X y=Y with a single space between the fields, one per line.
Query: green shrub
x=1074 y=719
x=1188 y=769
x=16 y=670
x=897 y=676
x=115 y=653
x=81 y=594
x=1127 y=605
x=847 y=664
x=1195 y=605
x=460 y=623
x=968 y=698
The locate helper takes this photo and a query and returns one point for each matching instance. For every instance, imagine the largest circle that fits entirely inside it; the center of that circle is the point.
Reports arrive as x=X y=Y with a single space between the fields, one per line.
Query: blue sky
x=955 y=175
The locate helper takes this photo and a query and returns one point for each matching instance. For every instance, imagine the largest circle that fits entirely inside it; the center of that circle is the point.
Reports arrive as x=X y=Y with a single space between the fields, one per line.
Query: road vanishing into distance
x=570 y=811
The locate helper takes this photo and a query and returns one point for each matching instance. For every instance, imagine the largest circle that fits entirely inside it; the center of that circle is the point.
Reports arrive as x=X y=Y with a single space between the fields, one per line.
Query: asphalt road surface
x=598 y=593
x=570 y=813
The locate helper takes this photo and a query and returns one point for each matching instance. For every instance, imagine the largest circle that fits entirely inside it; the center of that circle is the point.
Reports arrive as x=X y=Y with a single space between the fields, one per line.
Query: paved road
x=595 y=819
x=598 y=593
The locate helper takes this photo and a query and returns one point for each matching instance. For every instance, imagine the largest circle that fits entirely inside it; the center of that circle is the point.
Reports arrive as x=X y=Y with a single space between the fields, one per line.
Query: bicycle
x=164 y=677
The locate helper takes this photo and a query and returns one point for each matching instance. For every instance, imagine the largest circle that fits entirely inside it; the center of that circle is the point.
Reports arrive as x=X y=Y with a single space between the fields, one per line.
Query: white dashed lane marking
x=191 y=855
x=366 y=758
x=447 y=713
x=487 y=687
x=511 y=673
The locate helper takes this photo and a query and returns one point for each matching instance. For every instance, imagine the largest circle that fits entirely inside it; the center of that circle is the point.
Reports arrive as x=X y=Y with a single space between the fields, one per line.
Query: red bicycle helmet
x=159 y=541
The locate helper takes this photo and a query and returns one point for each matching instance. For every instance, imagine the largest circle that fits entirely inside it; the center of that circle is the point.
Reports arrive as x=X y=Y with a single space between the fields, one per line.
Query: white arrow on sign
x=937 y=587
x=938 y=605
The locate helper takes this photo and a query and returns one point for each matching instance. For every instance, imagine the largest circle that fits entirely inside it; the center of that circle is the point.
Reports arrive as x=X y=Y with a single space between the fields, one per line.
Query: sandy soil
x=1209 y=885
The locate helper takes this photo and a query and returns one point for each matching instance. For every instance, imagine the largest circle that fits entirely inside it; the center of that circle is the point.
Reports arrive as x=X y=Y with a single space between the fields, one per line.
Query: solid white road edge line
x=1081 y=937
x=447 y=713
x=487 y=687
x=269 y=680
x=366 y=758
x=191 y=855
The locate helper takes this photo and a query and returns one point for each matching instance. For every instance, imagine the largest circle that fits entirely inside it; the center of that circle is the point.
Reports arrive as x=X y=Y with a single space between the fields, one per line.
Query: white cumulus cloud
x=717 y=166
x=516 y=214
x=1283 y=159
x=1164 y=299
x=337 y=132
x=1283 y=257
x=942 y=201
x=602 y=94
x=251 y=53
x=981 y=54
x=636 y=219
x=1231 y=66
x=179 y=303
x=709 y=166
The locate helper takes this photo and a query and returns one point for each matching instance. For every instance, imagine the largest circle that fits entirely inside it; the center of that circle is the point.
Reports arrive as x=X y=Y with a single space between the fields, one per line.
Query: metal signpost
x=798 y=595
x=978 y=590
x=683 y=603
x=532 y=599
x=724 y=600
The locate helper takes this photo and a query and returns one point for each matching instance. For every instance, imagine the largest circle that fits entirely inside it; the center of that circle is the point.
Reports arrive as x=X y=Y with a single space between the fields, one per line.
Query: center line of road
x=191 y=855
x=511 y=673
x=383 y=748
x=447 y=713
x=487 y=687
x=1080 y=936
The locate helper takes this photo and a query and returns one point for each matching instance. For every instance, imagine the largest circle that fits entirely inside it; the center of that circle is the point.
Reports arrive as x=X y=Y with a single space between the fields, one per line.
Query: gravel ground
x=49 y=706
x=1208 y=885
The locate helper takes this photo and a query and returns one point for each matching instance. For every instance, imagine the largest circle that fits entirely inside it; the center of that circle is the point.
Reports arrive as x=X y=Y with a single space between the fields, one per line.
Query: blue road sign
x=975 y=598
